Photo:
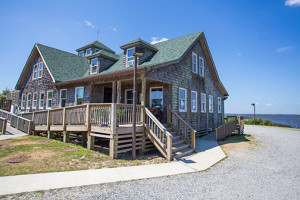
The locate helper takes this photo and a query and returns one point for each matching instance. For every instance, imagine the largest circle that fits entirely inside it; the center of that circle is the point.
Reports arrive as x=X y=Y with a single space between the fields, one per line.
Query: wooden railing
x=125 y=113
x=40 y=117
x=76 y=115
x=160 y=137
x=100 y=114
x=5 y=114
x=183 y=128
x=5 y=104
x=3 y=124
x=225 y=130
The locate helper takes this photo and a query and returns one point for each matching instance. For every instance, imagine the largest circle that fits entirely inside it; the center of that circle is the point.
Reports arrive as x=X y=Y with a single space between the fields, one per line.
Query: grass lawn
x=46 y=155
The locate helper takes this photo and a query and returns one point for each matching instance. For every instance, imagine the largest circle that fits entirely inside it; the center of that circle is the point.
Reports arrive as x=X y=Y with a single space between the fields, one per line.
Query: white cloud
x=282 y=49
x=292 y=3
x=88 y=23
x=238 y=53
x=113 y=28
x=158 y=39
x=269 y=104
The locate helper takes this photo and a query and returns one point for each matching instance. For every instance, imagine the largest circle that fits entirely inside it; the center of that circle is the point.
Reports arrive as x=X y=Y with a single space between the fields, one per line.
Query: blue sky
x=255 y=44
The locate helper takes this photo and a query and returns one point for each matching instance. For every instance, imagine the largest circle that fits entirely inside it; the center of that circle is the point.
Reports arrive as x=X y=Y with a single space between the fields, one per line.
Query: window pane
x=63 y=93
x=156 y=93
x=182 y=104
x=95 y=61
x=49 y=95
x=157 y=103
x=129 y=94
x=63 y=102
x=81 y=53
x=130 y=52
x=181 y=94
x=194 y=58
x=200 y=62
x=79 y=93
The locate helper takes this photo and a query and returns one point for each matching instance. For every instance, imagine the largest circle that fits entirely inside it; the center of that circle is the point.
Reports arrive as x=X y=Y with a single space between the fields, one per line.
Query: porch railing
x=225 y=130
x=18 y=122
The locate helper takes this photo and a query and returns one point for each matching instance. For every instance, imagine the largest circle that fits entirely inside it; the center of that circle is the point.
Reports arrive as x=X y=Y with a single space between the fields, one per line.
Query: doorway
x=107 y=95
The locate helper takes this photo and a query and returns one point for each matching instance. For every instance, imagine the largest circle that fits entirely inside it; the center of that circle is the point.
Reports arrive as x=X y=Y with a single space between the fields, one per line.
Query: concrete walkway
x=209 y=154
x=11 y=133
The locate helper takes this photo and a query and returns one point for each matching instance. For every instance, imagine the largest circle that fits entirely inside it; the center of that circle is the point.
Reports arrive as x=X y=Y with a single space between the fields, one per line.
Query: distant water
x=291 y=120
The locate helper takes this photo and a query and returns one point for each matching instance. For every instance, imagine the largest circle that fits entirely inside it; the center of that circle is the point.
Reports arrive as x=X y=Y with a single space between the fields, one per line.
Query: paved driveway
x=270 y=170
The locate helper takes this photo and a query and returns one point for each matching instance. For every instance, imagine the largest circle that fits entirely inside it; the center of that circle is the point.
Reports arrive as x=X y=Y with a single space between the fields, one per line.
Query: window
x=94 y=64
x=130 y=58
x=28 y=101
x=182 y=100
x=203 y=102
x=63 y=98
x=81 y=53
x=219 y=105
x=42 y=100
x=34 y=102
x=194 y=63
x=23 y=101
x=211 y=104
x=49 y=99
x=88 y=51
x=35 y=71
x=129 y=96
x=97 y=50
x=41 y=66
x=79 y=95
x=193 y=101
x=201 y=66
x=156 y=97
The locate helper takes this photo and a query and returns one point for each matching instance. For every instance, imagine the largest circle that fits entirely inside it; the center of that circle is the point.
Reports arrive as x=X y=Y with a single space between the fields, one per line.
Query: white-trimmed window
x=94 y=64
x=81 y=53
x=28 y=101
x=201 y=66
x=88 y=51
x=23 y=101
x=79 y=91
x=182 y=100
x=130 y=58
x=129 y=96
x=156 y=97
x=203 y=102
x=49 y=99
x=211 y=104
x=35 y=72
x=42 y=100
x=194 y=101
x=34 y=101
x=97 y=50
x=219 y=105
x=41 y=68
x=194 y=62
x=63 y=98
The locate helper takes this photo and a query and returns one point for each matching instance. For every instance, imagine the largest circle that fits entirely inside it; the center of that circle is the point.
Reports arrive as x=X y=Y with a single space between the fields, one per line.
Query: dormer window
x=35 y=71
x=130 y=58
x=94 y=64
x=97 y=50
x=88 y=51
x=81 y=53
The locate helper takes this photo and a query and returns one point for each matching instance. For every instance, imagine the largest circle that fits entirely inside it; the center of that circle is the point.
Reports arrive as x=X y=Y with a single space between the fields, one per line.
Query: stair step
x=176 y=137
x=176 y=142
x=173 y=132
x=182 y=152
x=180 y=147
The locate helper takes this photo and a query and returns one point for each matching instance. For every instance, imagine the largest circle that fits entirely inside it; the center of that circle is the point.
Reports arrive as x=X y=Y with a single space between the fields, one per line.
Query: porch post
x=114 y=92
x=119 y=87
x=143 y=103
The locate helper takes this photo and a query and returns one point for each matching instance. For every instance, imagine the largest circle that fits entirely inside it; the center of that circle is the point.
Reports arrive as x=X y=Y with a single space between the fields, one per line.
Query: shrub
x=258 y=122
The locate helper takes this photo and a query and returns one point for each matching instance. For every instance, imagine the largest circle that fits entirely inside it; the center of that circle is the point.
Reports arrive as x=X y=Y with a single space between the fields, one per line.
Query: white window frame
x=129 y=57
x=80 y=53
x=76 y=95
x=192 y=91
x=210 y=104
x=41 y=105
x=63 y=98
x=162 y=89
x=49 y=107
x=204 y=98
x=185 y=105
x=196 y=64
x=126 y=95
x=40 y=70
x=219 y=105
x=91 y=66
x=23 y=105
x=90 y=49
x=97 y=50
x=28 y=100
x=35 y=72
x=201 y=67
x=36 y=100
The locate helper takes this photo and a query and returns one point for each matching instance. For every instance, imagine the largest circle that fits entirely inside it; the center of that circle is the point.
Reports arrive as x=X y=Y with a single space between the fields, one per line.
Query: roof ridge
x=178 y=37
x=58 y=49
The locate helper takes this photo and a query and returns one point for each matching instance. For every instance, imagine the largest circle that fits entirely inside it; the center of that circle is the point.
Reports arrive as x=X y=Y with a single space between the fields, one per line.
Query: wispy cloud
x=299 y=103
x=282 y=49
x=271 y=99
x=155 y=40
x=269 y=104
x=238 y=53
x=113 y=28
x=292 y=3
x=88 y=23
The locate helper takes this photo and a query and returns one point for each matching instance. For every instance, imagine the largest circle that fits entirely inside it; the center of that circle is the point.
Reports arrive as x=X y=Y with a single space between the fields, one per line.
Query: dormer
x=100 y=60
x=93 y=48
x=128 y=48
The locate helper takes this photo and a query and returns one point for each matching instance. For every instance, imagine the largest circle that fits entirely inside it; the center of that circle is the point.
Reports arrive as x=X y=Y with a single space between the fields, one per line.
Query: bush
x=259 y=122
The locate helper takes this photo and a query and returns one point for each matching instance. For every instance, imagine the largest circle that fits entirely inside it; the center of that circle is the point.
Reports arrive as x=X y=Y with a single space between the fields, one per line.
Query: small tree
x=4 y=93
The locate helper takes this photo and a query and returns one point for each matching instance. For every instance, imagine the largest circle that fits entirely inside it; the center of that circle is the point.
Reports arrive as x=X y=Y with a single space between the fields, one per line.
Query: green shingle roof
x=96 y=44
x=105 y=54
x=139 y=41
x=63 y=66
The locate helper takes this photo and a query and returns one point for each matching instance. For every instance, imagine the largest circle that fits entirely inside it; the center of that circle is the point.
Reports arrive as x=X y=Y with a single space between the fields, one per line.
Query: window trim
x=37 y=69
x=91 y=66
x=49 y=99
x=212 y=103
x=194 y=54
x=27 y=106
x=97 y=50
x=40 y=70
x=61 y=98
x=129 y=57
x=162 y=89
x=89 y=53
x=41 y=106
x=126 y=95
x=76 y=95
x=219 y=105
x=23 y=100
x=185 y=106
x=35 y=93
x=203 y=111
x=201 y=67
x=193 y=91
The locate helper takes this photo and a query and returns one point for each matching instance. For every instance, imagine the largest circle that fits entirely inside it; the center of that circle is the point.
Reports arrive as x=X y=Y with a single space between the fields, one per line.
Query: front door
x=107 y=95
